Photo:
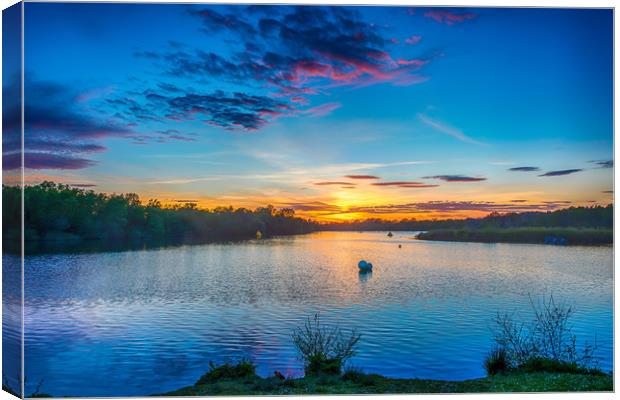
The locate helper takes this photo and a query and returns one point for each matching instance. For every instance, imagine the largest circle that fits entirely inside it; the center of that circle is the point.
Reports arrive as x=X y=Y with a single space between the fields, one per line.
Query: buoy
x=400 y=246
x=390 y=234
x=259 y=234
x=364 y=266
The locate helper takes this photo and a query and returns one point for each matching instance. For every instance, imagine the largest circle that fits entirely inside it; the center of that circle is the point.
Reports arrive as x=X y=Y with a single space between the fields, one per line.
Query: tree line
x=61 y=212
x=571 y=217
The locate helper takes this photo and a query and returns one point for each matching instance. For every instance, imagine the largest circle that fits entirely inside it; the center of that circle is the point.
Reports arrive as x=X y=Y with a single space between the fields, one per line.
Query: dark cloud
x=57 y=131
x=524 y=169
x=236 y=111
x=404 y=184
x=35 y=160
x=603 y=163
x=518 y=201
x=361 y=177
x=561 y=172
x=186 y=201
x=607 y=191
x=455 y=178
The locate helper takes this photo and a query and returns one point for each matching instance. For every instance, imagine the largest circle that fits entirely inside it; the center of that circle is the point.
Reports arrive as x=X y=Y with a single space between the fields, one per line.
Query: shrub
x=323 y=350
x=547 y=336
x=496 y=361
x=243 y=369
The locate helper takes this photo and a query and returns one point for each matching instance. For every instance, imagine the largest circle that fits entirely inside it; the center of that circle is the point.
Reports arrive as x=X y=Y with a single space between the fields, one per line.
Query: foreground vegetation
x=543 y=235
x=540 y=355
x=358 y=383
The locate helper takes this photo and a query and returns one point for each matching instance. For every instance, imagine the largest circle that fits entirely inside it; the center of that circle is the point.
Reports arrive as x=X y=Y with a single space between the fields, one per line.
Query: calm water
x=141 y=322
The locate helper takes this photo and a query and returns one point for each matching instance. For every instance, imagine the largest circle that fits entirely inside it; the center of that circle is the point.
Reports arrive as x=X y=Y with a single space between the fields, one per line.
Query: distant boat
x=364 y=266
x=390 y=234
x=259 y=234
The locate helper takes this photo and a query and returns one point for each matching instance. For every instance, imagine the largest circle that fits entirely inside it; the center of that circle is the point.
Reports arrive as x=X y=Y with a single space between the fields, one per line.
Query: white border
x=462 y=3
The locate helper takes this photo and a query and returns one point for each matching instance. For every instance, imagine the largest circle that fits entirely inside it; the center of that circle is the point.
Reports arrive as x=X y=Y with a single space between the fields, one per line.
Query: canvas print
x=237 y=199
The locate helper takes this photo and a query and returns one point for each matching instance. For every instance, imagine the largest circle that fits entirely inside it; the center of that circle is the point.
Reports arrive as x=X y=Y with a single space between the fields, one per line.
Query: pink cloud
x=322 y=110
x=448 y=17
x=415 y=39
x=415 y=62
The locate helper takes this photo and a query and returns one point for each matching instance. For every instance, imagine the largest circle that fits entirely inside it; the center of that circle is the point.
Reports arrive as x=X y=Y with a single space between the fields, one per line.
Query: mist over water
x=149 y=321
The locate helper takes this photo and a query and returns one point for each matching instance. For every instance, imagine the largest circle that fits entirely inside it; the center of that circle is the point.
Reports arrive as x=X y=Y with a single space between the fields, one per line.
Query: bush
x=547 y=336
x=243 y=369
x=496 y=362
x=324 y=351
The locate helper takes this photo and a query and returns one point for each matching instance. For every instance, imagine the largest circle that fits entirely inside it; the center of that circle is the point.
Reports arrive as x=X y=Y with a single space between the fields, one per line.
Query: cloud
x=603 y=163
x=607 y=191
x=561 y=172
x=287 y=53
x=456 y=178
x=448 y=130
x=327 y=183
x=235 y=111
x=322 y=110
x=361 y=177
x=36 y=160
x=524 y=169
x=518 y=201
x=58 y=131
x=449 y=17
x=404 y=184
x=415 y=39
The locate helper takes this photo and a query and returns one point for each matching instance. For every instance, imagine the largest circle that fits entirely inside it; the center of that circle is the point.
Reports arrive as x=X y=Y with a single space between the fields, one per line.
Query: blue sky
x=340 y=113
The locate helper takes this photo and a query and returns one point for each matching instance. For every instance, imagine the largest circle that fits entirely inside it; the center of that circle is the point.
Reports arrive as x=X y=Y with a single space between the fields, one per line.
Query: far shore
x=530 y=235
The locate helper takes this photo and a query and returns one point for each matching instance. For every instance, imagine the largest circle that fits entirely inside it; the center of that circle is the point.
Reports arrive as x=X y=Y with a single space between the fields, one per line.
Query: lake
x=148 y=321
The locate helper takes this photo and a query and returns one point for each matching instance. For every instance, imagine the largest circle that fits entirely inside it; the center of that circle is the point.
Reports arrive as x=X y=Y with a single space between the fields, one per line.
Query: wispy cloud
x=404 y=184
x=561 y=172
x=447 y=129
x=329 y=183
x=524 y=169
x=456 y=178
x=321 y=110
x=449 y=17
x=361 y=177
x=603 y=163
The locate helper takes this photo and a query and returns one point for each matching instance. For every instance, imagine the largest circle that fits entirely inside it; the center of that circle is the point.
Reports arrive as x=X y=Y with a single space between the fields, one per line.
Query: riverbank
x=555 y=236
x=358 y=383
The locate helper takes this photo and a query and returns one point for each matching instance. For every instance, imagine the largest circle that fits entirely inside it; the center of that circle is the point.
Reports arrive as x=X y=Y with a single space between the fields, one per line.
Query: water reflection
x=365 y=276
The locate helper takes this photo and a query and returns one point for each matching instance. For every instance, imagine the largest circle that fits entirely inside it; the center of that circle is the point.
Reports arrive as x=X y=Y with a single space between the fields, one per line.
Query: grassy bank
x=357 y=383
x=567 y=236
